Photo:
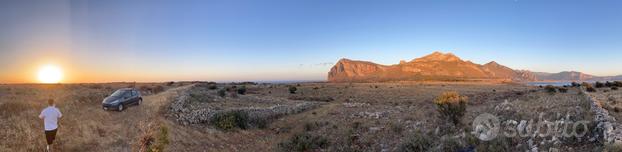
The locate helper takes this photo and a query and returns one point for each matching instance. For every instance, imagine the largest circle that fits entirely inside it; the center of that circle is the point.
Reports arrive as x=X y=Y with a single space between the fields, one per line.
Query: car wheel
x=140 y=101
x=120 y=107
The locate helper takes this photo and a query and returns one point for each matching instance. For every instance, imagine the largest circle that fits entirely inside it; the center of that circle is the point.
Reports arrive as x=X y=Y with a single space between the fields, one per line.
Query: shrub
x=589 y=88
x=612 y=147
x=242 y=90
x=618 y=83
x=304 y=142
x=599 y=84
x=170 y=83
x=396 y=127
x=222 y=93
x=312 y=98
x=152 y=138
x=417 y=142
x=450 y=144
x=608 y=84
x=563 y=90
x=212 y=87
x=614 y=88
x=292 y=89
x=497 y=144
x=451 y=106
x=575 y=84
x=230 y=120
x=158 y=89
x=550 y=89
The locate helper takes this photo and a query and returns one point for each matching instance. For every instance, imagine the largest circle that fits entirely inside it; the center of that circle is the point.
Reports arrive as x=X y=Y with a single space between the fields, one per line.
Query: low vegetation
x=451 y=106
x=292 y=89
x=589 y=88
x=230 y=120
x=417 y=142
x=550 y=89
x=599 y=84
x=304 y=142
x=154 y=138
x=242 y=90
x=312 y=98
x=222 y=93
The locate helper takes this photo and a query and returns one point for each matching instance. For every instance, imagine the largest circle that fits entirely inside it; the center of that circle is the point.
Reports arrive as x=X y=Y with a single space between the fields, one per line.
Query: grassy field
x=271 y=117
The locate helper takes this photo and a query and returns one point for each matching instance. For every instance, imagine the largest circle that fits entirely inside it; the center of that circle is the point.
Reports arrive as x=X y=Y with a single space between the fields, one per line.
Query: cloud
x=323 y=64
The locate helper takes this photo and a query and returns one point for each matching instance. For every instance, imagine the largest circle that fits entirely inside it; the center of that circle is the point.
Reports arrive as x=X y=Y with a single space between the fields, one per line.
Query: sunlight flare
x=50 y=74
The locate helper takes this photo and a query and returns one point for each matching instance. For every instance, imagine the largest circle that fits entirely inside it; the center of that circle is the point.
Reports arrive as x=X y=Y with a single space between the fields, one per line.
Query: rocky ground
x=315 y=117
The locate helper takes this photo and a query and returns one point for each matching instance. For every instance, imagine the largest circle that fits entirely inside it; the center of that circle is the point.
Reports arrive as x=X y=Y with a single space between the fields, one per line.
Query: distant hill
x=564 y=76
x=445 y=66
x=435 y=66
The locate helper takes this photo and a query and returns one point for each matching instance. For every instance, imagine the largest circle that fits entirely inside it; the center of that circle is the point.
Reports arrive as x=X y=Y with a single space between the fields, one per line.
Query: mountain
x=564 y=76
x=435 y=66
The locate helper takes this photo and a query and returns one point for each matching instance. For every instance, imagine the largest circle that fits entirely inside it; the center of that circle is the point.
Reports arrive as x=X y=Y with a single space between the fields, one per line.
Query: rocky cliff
x=435 y=66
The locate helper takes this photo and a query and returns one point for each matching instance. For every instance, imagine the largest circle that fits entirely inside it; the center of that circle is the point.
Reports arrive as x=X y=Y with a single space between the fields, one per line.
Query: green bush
x=575 y=84
x=609 y=84
x=303 y=142
x=292 y=89
x=589 y=88
x=416 y=143
x=161 y=140
x=550 y=89
x=618 y=83
x=222 y=93
x=230 y=120
x=599 y=84
x=212 y=87
x=563 y=90
x=153 y=138
x=614 y=88
x=451 y=106
x=242 y=90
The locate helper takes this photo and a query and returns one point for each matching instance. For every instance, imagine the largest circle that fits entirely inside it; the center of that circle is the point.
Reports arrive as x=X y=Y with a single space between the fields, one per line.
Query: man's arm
x=59 y=114
x=41 y=115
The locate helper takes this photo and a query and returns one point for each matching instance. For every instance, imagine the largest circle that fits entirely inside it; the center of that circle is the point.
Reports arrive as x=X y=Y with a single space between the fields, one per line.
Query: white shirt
x=50 y=117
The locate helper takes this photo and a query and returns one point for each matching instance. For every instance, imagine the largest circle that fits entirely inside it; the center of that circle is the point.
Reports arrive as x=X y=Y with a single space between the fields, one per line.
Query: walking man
x=50 y=117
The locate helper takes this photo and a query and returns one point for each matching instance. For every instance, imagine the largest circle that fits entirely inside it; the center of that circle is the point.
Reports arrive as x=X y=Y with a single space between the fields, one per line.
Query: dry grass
x=84 y=126
x=361 y=116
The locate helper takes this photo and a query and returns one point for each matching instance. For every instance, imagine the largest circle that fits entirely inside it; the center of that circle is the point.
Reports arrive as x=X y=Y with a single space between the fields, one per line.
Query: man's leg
x=50 y=136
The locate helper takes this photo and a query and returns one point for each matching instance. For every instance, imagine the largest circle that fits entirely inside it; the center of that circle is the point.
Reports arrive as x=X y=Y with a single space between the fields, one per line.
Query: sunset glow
x=50 y=74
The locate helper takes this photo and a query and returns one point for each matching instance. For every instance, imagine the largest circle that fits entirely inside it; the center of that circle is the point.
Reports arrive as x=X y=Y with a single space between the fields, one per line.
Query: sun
x=50 y=74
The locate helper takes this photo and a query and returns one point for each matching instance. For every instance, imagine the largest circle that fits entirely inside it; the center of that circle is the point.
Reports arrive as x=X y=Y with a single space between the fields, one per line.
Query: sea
x=549 y=83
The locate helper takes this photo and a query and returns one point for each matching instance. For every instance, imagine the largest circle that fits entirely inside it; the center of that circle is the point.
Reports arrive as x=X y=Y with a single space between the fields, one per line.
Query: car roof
x=126 y=89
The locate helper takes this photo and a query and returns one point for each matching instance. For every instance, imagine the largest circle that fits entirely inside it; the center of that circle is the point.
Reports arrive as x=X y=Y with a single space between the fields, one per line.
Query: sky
x=285 y=40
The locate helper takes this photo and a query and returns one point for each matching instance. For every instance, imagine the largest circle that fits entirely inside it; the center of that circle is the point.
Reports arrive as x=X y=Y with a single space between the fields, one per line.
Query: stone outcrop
x=186 y=112
x=609 y=131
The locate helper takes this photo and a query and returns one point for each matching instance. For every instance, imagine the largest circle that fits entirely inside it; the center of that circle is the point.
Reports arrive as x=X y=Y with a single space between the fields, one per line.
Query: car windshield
x=118 y=93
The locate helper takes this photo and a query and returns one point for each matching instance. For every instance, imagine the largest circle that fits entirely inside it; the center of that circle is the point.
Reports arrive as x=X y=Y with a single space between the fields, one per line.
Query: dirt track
x=127 y=121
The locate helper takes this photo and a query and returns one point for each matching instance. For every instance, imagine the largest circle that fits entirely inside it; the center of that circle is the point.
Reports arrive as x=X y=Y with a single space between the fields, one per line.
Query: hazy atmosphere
x=101 y=41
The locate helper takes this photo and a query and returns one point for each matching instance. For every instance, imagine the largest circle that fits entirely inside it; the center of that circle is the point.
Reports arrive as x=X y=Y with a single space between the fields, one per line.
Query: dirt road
x=91 y=128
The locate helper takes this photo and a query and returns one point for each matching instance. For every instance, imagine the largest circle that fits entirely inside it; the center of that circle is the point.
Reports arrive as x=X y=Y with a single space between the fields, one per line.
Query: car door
x=127 y=97
x=134 y=97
